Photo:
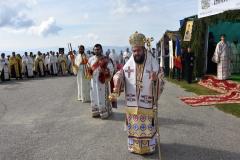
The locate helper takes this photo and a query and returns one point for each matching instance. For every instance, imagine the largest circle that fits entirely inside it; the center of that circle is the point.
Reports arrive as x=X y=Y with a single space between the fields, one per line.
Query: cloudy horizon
x=27 y=24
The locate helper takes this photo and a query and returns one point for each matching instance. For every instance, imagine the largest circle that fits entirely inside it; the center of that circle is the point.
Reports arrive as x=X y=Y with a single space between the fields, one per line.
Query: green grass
x=235 y=77
x=194 y=87
x=233 y=109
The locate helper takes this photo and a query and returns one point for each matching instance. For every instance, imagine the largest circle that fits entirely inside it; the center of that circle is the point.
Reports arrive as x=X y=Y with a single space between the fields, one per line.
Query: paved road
x=41 y=120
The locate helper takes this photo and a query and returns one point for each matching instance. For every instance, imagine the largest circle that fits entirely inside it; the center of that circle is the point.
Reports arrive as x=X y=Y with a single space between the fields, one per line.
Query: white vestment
x=126 y=56
x=27 y=66
x=71 y=63
x=47 y=63
x=53 y=62
x=99 y=92
x=114 y=59
x=4 y=69
x=121 y=61
x=139 y=87
x=62 y=61
x=82 y=82
x=222 y=56
x=39 y=65
x=235 y=67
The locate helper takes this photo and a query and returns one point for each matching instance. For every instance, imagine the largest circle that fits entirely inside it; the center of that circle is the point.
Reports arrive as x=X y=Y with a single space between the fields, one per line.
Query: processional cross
x=148 y=42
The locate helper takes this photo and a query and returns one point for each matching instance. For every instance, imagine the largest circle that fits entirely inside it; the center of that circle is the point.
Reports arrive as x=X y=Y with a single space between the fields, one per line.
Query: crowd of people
x=51 y=63
x=101 y=79
x=30 y=65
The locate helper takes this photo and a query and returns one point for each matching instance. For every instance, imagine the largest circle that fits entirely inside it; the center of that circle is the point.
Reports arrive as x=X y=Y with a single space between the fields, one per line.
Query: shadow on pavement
x=15 y=82
x=118 y=116
x=189 y=152
x=167 y=121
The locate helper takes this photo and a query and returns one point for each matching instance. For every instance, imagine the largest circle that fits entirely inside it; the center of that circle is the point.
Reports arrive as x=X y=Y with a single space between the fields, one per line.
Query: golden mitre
x=137 y=39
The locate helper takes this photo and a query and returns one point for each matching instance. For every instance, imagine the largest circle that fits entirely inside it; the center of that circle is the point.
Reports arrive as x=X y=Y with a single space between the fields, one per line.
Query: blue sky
x=28 y=24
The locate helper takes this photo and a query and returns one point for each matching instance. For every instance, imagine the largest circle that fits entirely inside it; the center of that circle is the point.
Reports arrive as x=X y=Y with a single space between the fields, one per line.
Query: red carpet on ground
x=221 y=86
x=230 y=93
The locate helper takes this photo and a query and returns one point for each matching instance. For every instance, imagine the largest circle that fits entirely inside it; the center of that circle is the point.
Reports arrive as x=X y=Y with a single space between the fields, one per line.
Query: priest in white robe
x=4 y=68
x=235 y=49
x=113 y=56
x=47 y=64
x=101 y=69
x=83 y=82
x=39 y=64
x=62 y=61
x=143 y=81
x=126 y=55
x=15 y=66
x=71 y=58
x=222 y=56
x=27 y=67
x=53 y=64
x=121 y=57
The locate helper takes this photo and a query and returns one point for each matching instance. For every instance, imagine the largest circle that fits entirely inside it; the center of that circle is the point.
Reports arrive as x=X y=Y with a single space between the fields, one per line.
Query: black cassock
x=189 y=60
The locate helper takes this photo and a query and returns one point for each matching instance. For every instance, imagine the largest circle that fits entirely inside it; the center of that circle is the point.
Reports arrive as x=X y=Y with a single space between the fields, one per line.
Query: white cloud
x=85 y=16
x=142 y=9
x=45 y=28
x=13 y=14
x=14 y=17
x=126 y=7
x=89 y=38
x=93 y=37
x=21 y=3
x=78 y=37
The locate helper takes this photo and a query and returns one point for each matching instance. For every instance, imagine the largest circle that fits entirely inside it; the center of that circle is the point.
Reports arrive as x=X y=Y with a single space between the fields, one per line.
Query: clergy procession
x=30 y=65
x=102 y=78
x=50 y=64
x=119 y=80
x=100 y=81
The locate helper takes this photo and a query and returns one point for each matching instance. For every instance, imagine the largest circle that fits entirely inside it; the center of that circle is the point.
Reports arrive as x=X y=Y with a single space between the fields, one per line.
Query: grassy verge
x=235 y=77
x=194 y=87
x=233 y=109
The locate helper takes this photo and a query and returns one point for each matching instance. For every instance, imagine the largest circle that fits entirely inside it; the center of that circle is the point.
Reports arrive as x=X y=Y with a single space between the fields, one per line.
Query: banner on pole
x=188 y=31
x=171 y=55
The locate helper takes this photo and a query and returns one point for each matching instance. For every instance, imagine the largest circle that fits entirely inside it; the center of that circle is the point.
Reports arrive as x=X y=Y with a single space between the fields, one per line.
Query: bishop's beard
x=139 y=59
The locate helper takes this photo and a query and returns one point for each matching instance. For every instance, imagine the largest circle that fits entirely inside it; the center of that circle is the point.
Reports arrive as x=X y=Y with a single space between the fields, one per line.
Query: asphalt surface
x=41 y=119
